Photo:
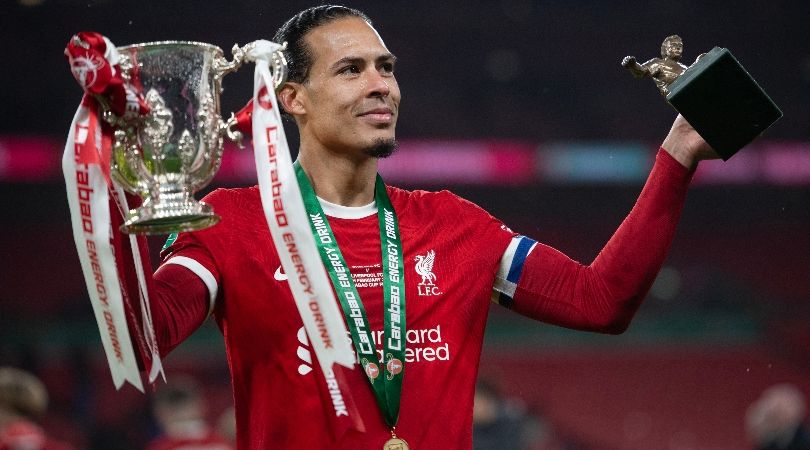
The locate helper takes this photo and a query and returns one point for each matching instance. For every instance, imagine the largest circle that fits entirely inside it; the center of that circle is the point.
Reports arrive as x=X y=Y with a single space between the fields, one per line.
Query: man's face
x=351 y=98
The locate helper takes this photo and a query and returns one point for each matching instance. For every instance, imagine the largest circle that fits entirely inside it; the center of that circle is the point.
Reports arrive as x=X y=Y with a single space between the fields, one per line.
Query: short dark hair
x=298 y=55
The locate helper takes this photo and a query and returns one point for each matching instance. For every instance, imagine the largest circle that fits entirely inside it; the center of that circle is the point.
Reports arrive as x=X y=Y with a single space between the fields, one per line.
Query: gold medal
x=395 y=443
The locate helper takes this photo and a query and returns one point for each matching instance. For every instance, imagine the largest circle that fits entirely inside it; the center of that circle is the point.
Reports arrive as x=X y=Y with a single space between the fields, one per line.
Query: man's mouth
x=378 y=115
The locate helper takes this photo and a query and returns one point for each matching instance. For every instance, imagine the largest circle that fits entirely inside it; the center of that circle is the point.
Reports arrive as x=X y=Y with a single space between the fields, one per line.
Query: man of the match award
x=716 y=95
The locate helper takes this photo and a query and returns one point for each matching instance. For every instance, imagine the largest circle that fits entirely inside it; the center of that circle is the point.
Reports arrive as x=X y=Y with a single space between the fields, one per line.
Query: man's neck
x=341 y=179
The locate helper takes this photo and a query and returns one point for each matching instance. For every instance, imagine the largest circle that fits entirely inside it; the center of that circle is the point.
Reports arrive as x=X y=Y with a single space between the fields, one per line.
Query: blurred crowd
x=777 y=420
x=180 y=410
x=504 y=423
x=174 y=416
x=178 y=416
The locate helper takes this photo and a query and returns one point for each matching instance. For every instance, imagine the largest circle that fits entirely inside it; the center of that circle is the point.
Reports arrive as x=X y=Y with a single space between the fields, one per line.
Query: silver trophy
x=175 y=150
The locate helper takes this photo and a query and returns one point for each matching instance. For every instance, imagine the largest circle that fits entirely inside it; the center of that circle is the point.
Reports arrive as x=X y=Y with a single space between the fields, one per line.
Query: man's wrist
x=680 y=152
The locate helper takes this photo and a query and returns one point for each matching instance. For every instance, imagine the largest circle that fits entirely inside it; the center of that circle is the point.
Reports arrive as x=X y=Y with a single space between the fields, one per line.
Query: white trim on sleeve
x=205 y=275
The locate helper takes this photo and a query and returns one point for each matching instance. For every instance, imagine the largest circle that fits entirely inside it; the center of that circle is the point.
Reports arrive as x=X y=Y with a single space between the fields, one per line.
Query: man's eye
x=353 y=69
x=387 y=68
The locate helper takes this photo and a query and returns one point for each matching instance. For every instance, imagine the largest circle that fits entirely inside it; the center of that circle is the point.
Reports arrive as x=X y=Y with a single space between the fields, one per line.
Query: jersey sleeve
x=503 y=250
x=604 y=295
x=187 y=281
x=202 y=252
x=493 y=239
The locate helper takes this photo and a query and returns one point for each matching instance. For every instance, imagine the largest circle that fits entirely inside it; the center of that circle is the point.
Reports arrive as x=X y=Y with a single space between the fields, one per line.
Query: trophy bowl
x=175 y=149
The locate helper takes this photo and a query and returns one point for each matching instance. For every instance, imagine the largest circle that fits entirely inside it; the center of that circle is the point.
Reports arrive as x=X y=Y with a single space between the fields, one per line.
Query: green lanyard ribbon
x=388 y=387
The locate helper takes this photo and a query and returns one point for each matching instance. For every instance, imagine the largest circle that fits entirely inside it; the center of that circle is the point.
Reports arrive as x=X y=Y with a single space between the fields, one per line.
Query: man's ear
x=290 y=97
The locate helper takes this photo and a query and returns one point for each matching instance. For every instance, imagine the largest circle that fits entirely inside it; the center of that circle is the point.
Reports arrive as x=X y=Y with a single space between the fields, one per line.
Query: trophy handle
x=278 y=63
x=231 y=129
x=278 y=67
x=237 y=125
x=223 y=67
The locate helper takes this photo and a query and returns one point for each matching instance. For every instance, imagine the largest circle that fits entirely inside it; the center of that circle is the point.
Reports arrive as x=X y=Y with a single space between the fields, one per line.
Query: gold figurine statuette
x=663 y=70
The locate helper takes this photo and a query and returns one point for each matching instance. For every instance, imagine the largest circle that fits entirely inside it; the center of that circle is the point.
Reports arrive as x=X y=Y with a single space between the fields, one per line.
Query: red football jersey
x=452 y=251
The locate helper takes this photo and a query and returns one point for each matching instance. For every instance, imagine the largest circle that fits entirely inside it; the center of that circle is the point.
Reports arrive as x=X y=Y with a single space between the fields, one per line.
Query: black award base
x=724 y=104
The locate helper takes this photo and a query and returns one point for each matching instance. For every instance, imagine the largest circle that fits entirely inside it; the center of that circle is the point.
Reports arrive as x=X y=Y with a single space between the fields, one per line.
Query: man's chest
x=446 y=285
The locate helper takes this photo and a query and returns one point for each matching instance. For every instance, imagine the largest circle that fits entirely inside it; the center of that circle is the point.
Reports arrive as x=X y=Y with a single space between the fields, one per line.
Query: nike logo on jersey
x=280 y=275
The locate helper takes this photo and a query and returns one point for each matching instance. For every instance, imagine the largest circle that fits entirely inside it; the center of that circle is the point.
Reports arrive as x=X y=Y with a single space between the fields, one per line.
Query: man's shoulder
x=443 y=196
x=238 y=209
x=239 y=197
x=423 y=197
x=422 y=202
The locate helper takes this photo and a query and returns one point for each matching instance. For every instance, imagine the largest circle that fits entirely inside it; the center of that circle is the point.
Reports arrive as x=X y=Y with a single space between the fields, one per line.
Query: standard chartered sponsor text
x=424 y=345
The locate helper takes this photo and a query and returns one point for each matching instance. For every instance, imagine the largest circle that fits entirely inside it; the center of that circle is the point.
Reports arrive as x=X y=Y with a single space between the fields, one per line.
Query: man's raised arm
x=604 y=295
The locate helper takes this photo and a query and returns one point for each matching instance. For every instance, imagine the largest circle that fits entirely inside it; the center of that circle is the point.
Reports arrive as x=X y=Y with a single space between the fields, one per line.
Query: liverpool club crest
x=424 y=268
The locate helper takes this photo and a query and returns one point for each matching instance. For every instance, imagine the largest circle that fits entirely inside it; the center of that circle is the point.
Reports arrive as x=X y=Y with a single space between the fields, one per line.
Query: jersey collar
x=348 y=212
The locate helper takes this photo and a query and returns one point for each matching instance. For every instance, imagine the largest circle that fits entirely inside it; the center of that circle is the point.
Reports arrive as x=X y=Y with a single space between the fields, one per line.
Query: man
x=344 y=98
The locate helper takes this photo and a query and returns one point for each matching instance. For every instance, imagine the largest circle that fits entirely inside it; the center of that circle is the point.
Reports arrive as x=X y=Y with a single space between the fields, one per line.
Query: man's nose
x=378 y=85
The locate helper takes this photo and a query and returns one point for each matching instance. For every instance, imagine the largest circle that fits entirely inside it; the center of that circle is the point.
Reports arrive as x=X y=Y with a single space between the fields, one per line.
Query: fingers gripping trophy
x=149 y=125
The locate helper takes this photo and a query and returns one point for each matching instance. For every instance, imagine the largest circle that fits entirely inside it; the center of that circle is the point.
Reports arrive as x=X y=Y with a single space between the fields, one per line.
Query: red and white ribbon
x=90 y=217
x=86 y=165
x=288 y=222
x=289 y=227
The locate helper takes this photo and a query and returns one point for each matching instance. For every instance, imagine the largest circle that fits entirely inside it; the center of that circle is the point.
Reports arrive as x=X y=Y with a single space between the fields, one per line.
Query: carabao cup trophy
x=716 y=95
x=175 y=149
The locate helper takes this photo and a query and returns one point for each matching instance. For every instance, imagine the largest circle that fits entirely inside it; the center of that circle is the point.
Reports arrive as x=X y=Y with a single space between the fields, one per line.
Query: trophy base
x=722 y=102
x=164 y=218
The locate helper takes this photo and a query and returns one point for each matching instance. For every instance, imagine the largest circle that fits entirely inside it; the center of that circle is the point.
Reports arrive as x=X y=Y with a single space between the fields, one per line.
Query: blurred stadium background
x=520 y=106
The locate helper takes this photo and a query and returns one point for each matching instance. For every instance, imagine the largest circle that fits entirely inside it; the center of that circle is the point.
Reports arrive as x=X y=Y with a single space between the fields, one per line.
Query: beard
x=381 y=148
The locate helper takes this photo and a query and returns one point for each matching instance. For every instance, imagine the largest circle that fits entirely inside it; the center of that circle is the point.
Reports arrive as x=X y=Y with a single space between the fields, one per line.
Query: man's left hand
x=686 y=145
